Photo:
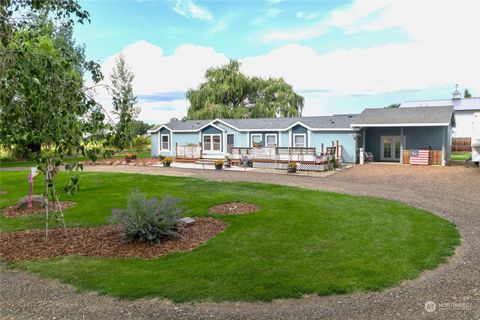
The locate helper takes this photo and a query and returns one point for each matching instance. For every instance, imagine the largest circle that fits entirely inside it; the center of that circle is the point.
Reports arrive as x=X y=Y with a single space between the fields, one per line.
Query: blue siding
x=415 y=138
x=284 y=139
x=154 y=147
x=345 y=138
x=372 y=141
x=424 y=137
x=183 y=139
x=300 y=129
x=241 y=138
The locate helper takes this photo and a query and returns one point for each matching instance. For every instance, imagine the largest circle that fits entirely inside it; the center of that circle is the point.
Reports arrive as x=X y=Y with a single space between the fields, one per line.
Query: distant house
x=389 y=134
x=464 y=110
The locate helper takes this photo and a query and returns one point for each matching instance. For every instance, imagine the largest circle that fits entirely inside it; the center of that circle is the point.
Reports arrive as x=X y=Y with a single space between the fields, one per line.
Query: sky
x=341 y=56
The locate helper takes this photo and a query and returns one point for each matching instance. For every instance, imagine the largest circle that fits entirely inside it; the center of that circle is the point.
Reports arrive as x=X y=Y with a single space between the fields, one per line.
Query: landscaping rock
x=38 y=201
x=187 y=221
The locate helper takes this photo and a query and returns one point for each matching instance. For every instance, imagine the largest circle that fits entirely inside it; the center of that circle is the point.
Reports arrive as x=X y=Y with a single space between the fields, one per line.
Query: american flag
x=419 y=157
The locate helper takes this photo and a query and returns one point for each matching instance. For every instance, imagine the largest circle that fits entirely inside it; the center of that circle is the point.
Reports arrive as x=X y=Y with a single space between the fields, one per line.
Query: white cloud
x=306 y=15
x=190 y=10
x=157 y=73
x=443 y=51
x=267 y=15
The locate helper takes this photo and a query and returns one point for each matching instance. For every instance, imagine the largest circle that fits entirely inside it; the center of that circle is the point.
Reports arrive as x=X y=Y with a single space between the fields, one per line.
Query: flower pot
x=166 y=164
x=218 y=166
x=291 y=169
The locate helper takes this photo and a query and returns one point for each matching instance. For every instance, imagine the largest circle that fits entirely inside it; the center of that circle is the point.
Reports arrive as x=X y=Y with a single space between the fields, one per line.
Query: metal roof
x=412 y=116
x=458 y=104
x=335 y=122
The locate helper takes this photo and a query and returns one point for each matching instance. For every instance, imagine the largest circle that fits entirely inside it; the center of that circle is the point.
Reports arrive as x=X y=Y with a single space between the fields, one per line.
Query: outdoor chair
x=368 y=156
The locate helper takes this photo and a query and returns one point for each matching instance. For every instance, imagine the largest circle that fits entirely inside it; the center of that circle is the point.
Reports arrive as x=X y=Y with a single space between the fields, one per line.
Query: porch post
x=401 y=145
x=364 y=138
x=444 y=141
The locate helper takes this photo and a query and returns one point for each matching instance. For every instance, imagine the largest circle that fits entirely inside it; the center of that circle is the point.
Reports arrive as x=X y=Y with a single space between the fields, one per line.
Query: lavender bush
x=148 y=219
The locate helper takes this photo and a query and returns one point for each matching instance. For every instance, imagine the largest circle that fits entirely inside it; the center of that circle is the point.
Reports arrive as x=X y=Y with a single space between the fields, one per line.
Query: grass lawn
x=461 y=155
x=299 y=242
x=31 y=163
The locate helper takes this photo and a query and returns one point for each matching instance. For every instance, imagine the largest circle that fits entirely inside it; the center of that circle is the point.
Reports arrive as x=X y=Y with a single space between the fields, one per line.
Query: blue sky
x=341 y=56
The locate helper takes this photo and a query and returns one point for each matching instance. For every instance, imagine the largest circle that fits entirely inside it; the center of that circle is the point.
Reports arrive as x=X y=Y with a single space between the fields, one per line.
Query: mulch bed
x=233 y=208
x=15 y=211
x=104 y=241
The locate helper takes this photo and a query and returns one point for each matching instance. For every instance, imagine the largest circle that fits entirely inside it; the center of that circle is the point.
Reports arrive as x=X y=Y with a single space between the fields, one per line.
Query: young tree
x=123 y=103
x=467 y=94
x=227 y=93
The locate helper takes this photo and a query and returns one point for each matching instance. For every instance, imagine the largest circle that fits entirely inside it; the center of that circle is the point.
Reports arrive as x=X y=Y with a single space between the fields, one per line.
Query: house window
x=165 y=141
x=299 y=140
x=271 y=140
x=211 y=142
x=257 y=140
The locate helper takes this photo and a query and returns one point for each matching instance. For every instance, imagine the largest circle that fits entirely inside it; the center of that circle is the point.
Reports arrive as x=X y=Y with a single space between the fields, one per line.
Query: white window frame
x=304 y=140
x=271 y=135
x=255 y=135
x=161 y=142
x=211 y=142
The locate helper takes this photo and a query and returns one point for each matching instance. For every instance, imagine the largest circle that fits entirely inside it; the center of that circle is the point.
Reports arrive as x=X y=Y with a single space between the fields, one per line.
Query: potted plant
x=292 y=167
x=218 y=164
x=167 y=161
x=130 y=156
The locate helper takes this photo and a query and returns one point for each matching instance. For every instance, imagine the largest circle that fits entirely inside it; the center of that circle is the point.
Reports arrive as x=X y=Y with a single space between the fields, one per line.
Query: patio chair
x=368 y=156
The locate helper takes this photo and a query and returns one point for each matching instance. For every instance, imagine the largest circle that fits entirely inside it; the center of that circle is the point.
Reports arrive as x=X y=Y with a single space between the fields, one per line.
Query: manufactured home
x=388 y=134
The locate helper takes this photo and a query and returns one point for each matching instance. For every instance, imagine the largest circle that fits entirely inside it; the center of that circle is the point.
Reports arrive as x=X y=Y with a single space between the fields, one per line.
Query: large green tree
x=43 y=98
x=228 y=93
x=123 y=103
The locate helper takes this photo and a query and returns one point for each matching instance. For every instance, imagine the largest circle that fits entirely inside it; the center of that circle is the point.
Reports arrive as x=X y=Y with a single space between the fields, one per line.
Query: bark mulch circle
x=15 y=211
x=104 y=241
x=233 y=208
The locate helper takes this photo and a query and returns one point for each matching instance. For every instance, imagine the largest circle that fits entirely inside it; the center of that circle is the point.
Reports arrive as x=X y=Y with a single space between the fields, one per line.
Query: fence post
x=176 y=150
x=322 y=149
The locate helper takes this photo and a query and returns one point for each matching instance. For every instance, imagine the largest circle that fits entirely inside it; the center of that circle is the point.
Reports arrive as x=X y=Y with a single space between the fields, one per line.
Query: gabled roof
x=458 y=104
x=335 y=122
x=404 y=117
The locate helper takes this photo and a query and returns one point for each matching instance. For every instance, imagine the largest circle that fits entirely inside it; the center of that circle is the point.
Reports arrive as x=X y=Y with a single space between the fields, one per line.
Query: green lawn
x=459 y=155
x=299 y=242
x=31 y=163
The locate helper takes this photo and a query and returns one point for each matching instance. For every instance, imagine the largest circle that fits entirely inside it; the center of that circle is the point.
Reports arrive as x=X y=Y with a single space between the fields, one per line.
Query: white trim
x=402 y=125
x=211 y=135
x=159 y=128
x=213 y=125
x=290 y=137
x=298 y=123
x=271 y=134
x=304 y=137
x=279 y=138
x=169 y=142
x=251 y=138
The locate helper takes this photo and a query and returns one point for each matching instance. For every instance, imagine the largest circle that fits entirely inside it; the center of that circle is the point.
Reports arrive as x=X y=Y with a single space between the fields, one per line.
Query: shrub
x=141 y=142
x=148 y=219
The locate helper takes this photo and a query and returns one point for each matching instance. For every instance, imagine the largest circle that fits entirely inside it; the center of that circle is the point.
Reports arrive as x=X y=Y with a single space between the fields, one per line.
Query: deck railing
x=191 y=152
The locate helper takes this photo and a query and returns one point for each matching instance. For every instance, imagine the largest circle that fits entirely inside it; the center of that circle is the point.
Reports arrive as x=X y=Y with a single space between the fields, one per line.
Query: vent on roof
x=350 y=116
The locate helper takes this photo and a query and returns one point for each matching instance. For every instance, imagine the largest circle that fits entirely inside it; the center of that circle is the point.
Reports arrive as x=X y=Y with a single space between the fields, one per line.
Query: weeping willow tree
x=227 y=93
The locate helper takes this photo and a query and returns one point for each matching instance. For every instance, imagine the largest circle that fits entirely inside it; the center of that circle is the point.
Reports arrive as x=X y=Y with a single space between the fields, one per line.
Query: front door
x=230 y=142
x=390 y=148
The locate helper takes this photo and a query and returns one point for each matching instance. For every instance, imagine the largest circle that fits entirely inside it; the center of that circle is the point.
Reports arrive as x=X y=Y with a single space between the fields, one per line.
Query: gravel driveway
x=450 y=192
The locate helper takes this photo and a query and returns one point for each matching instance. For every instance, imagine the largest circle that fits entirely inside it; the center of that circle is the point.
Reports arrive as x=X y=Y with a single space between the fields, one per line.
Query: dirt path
x=451 y=192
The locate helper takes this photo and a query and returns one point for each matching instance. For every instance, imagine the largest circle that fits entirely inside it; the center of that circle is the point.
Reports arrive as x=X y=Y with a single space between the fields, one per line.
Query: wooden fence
x=461 y=144
x=434 y=157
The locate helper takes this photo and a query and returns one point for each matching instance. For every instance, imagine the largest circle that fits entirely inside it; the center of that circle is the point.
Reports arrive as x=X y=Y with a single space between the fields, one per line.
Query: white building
x=464 y=110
